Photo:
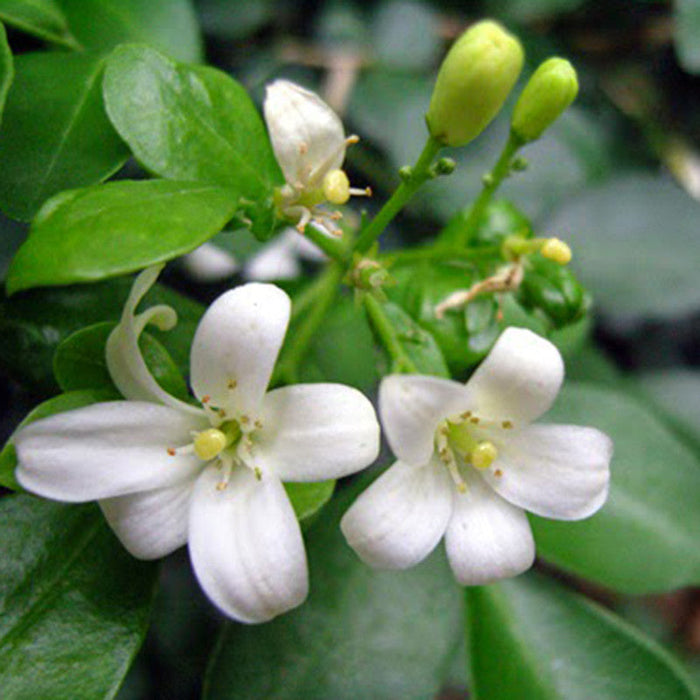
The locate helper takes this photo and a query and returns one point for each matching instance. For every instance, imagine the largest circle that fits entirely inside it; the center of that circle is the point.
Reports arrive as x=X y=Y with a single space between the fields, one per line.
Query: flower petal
x=126 y=365
x=246 y=546
x=557 y=471
x=519 y=379
x=411 y=406
x=401 y=517
x=104 y=450
x=313 y=432
x=209 y=263
x=236 y=345
x=151 y=524
x=276 y=260
x=487 y=538
x=307 y=135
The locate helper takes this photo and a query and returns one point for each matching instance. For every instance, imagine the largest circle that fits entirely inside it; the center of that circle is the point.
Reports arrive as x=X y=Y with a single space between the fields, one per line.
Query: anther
x=352 y=139
x=171 y=451
x=507 y=424
x=303 y=148
x=206 y=398
x=258 y=424
x=498 y=473
x=232 y=384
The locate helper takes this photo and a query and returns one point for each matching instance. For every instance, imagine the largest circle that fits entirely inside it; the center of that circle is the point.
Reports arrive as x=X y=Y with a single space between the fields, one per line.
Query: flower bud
x=550 y=90
x=474 y=80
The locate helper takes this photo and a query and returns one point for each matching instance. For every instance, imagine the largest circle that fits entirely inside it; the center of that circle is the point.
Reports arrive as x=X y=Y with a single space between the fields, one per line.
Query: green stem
x=492 y=182
x=419 y=174
x=401 y=362
x=334 y=248
x=324 y=293
x=429 y=253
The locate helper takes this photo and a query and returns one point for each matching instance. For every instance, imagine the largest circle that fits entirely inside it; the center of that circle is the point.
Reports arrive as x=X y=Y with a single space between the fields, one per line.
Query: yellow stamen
x=209 y=443
x=336 y=187
x=483 y=455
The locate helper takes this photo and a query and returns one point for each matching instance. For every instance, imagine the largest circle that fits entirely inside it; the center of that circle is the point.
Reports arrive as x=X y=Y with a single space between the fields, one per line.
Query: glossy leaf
x=34 y=323
x=108 y=230
x=7 y=69
x=168 y=25
x=625 y=250
x=42 y=18
x=342 y=350
x=192 y=123
x=416 y=342
x=464 y=335
x=79 y=362
x=561 y=646
x=360 y=634
x=644 y=539
x=55 y=134
x=75 y=604
x=308 y=498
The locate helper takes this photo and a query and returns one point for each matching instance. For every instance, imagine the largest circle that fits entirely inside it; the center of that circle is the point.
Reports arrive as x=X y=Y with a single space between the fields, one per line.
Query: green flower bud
x=550 y=90
x=554 y=290
x=474 y=80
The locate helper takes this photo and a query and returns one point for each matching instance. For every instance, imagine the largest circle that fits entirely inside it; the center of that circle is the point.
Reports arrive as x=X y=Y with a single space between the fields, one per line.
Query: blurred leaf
x=107 y=230
x=42 y=18
x=33 y=324
x=75 y=604
x=561 y=646
x=530 y=10
x=676 y=393
x=417 y=343
x=55 y=134
x=56 y=404
x=360 y=634
x=168 y=25
x=406 y=34
x=224 y=19
x=193 y=123
x=7 y=69
x=80 y=363
x=308 y=498
x=636 y=245
x=686 y=18
x=644 y=539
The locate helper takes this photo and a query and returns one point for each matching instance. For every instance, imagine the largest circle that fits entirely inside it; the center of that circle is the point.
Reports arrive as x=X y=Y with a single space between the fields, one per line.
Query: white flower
x=309 y=143
x=471 y=463
x=166 y=472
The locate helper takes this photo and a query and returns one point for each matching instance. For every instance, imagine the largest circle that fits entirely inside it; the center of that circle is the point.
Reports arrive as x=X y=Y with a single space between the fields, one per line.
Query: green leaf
x=560 y=646
x=75 y=604
x=625 y=249
x=55 y=133
x=33 y=324
x=676 y=394
x=80 y=363
x=7 y=69
x=360 y=634
x=644 y=539
x=56 y=404
x=342 y=350
x=687 y=35
x=108 y=230
x=192 y=123
x=464 y=336
x=308 y=498
x=42 y=18
x=168 y=25
x=417 y=343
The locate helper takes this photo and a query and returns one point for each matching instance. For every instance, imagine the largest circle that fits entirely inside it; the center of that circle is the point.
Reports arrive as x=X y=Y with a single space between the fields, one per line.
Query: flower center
x=212 y=442
x=454 y=438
